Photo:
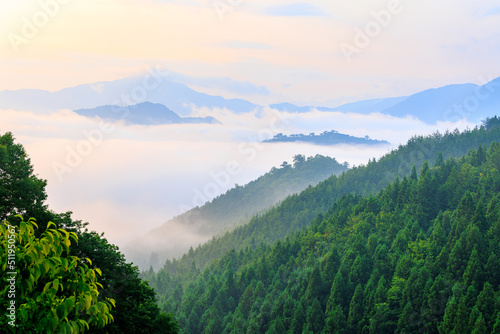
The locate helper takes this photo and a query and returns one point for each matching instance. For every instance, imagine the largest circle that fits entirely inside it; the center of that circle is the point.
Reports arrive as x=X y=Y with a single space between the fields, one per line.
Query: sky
x=324 y=53
x=310 y=53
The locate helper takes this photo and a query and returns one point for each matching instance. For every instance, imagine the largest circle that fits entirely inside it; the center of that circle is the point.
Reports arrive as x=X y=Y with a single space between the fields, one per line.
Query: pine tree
x=474 y=315
x=426 y=197
x=496 y=327
x=439 y=160
x=473 y=271
x=330 y=268
x=450 y=313
x=479 y=217
x=315 y=317
x=356 y=310
x=360 y=270
x=492 y=270
x=486 y=304
x=466 y=208
x=314 y=287
x=413 y=173
x=335 y=320
x=493 y=211
x=408 y=320
x=298 y=319
x=480 y=326
x=380 y=323
x=276 y=327
x=461 y=321
x=456 y=261
x=381 y=292
x=339 y=291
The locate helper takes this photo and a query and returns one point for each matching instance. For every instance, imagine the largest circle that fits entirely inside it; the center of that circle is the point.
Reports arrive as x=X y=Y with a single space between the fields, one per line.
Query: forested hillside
x=235 y=207
x=23 y=193
x=325 y=138
x=299 y=210
x=421 y=255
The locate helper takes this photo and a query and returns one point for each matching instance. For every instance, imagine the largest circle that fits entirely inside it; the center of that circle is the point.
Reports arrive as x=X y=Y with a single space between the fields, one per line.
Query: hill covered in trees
x=325 y=138
x=365 y=252
x=70 y=265
x=233 y=208
x=297 y=211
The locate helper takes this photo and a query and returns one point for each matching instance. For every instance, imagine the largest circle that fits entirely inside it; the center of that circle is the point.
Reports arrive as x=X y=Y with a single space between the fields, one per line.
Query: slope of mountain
x=233 y=208
x=418 y=257
x=298 y=211
x=145 y=113
x=128 y=91
x=359 y=107
x=369 y=106
x=449 y=103
x=325 y=138
x=433 y=104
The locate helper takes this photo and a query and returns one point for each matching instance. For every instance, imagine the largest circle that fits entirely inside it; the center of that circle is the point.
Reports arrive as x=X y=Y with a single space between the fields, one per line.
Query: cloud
x=295 y=9
x=126 y=180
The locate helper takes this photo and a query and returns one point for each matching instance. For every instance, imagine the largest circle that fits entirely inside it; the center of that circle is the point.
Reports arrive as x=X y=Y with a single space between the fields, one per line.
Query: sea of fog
x=126 y=179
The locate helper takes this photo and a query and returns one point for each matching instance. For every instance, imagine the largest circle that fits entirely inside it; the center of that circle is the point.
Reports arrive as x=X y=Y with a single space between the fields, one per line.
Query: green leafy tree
x=21 y=192
x=55 y=292
x=136 y=308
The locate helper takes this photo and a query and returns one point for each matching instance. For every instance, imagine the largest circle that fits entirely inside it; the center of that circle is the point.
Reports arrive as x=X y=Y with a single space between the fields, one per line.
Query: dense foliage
x=422 y=255
x=136 y=308
x=20 y=190
x=237 y=205
x=23 y=193
x=47 y=290
x=270 y=188
x=299 y=210
x=325 y=138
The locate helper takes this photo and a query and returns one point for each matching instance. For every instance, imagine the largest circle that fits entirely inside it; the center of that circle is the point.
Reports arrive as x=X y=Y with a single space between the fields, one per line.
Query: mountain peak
x=144 y=113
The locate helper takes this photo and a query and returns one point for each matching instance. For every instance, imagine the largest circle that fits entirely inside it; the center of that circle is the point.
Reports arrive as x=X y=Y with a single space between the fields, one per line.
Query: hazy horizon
x=130 y=179
x=314 y=53
x=144 y=175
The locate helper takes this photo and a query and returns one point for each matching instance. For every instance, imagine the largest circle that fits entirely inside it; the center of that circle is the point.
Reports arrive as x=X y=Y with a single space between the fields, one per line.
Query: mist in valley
x=128 y=180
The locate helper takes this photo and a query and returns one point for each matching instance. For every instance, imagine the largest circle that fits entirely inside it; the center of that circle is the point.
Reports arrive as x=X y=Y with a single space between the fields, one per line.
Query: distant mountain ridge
x=146 y=113
x=449 y=103
x=128 y=91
